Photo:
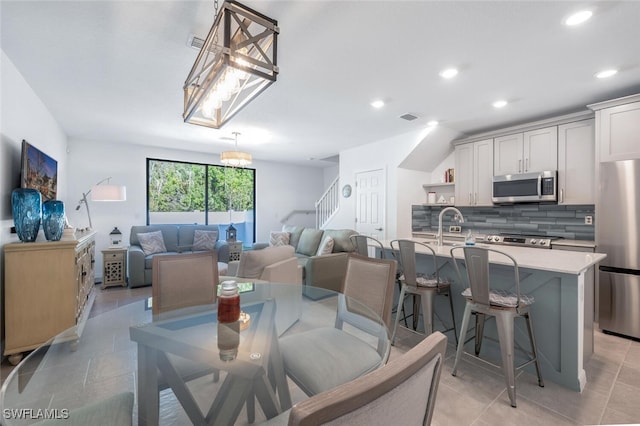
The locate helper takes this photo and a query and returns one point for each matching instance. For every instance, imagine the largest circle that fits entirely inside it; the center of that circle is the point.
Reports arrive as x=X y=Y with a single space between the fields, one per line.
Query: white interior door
x=370 y=203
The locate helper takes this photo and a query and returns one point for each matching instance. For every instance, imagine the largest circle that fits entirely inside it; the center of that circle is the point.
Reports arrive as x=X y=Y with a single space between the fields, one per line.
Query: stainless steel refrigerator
x=618 y=235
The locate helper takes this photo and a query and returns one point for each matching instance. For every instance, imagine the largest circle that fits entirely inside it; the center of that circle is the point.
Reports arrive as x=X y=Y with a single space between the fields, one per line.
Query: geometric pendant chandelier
x=236 y=63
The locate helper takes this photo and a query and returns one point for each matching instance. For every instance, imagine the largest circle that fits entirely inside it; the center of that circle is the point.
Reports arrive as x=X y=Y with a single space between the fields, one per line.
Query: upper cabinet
x=474 y=171
x=526 y=152
x=576 y=162
x=618 y=128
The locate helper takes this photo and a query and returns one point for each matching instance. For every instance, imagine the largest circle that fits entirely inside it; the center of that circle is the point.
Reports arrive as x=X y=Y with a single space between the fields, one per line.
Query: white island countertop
x=566 y=262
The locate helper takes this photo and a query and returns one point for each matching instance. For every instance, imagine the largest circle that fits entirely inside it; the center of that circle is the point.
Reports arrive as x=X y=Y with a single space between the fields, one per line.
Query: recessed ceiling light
x=432 y=123
x=499 y=104
x=606 y=73
x=449 y=73
x=377 y=103
x=578 y=18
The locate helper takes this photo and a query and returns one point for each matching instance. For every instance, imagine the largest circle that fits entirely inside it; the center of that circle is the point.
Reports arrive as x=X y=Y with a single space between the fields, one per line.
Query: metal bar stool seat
x=425 y=286
x=503 y=305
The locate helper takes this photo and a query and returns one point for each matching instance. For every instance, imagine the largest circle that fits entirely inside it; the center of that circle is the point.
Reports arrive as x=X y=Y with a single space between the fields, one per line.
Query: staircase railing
x=328 y=204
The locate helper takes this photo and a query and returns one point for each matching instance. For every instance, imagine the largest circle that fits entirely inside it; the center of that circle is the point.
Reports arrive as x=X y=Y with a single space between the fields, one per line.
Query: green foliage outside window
x=180 y=187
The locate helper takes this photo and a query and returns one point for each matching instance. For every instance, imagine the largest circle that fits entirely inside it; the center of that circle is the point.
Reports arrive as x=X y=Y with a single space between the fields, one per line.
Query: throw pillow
x=204 y=240
x=279 y=238
x=152 y=242
x=326 y=246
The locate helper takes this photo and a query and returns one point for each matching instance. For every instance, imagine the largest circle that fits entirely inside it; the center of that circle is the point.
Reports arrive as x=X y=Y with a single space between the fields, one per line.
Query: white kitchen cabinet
x=576 y=162
x=474 y=172
x=531 y=151
x=619 y=127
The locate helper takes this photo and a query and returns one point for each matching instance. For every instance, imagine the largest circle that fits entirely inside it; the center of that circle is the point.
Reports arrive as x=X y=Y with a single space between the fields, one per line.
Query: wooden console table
x=48 y=289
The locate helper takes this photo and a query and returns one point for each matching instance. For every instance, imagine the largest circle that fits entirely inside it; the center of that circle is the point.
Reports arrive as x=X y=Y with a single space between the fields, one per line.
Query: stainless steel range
x=536 y=241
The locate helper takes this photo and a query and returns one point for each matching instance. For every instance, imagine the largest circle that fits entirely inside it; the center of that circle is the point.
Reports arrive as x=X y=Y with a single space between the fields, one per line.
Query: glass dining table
x=183 y=367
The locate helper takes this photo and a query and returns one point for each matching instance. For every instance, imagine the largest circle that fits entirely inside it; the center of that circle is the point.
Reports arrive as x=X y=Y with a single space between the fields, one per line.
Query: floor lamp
x=101 y=192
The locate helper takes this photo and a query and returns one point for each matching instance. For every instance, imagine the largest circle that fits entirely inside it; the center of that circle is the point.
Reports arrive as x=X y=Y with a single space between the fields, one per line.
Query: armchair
x=272 y=264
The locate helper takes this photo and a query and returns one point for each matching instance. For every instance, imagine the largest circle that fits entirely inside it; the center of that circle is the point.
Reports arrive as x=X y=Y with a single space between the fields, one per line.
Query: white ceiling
x=114 y=70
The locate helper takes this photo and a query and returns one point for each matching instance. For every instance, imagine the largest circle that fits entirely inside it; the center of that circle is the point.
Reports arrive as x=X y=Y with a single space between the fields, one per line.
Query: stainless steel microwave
x=525 y=187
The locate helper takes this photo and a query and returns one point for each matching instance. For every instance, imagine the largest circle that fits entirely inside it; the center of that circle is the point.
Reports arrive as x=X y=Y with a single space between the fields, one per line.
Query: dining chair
x=402 y=392
x=367 y=290
x=184 y=280
x=272 y=264
x=420 y=284
x=367 y=246
x=504 y=306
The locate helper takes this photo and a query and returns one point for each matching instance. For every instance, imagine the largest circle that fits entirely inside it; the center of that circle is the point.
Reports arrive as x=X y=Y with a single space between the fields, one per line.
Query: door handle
x=378 y=229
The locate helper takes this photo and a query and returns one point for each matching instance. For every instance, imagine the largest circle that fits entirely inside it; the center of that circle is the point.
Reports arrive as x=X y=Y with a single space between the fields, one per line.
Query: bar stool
x=427 y=287
x=363 y=243
x=504 y=306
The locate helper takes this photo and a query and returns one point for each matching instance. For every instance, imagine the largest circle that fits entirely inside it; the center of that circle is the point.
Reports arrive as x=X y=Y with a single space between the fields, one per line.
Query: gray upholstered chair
x=271 y=264
x=503 y=305
x=427 y=287
x=184 y=280
x=114 y=411
x=370 y=283
x=403 y=392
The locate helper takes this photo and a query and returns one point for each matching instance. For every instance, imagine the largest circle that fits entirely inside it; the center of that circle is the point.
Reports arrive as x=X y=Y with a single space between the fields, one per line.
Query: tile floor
x=477 y=395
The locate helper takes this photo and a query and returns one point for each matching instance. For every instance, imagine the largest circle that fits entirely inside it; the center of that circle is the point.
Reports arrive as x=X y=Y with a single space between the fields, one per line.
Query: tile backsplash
x=551 y=220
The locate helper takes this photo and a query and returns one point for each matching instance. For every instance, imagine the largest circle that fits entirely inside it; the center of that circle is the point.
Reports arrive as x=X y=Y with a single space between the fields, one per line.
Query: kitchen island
x=563 y=286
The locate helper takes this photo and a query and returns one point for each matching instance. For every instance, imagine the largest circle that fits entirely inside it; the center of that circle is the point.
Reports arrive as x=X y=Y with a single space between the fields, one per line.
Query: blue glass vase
x=53 y=219
x=26 y=205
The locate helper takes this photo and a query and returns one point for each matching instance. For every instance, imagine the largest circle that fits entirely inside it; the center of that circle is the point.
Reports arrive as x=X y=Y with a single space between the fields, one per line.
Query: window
x=181 y=193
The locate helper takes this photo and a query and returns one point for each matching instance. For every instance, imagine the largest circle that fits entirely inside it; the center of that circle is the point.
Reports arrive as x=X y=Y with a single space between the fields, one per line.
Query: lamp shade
x=109 y=193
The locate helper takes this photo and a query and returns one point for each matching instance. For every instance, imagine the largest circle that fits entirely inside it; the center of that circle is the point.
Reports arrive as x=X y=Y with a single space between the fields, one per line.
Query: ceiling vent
x=408 y=117
x=195 y=42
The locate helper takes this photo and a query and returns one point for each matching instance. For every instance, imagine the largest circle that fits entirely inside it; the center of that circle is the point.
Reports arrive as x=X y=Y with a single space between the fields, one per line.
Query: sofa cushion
x=169 y=234
x=152 y=242
x=326 y=246
x=341 y=241
x=309 y=241
x=186 y=234
x=252 y=262
x=295 y=232
x=279 y=238
x=204 y=240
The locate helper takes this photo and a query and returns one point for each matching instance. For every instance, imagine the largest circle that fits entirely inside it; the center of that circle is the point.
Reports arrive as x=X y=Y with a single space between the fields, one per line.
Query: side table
x=235 y=249
x=114 y=267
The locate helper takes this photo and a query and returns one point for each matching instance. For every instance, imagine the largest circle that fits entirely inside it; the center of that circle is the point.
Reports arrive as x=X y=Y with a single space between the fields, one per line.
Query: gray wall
x=538 y=219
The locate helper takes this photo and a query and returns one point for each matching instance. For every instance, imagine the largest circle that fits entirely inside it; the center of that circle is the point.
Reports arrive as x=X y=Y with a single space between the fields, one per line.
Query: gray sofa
x=327 y=270
x=177 y=239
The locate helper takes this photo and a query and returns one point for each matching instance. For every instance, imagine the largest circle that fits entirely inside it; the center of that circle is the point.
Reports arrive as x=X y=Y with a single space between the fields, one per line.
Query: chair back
x=370 y=282
x=477 y=271
x=401 y=392
x=407 y=250
x=366 y=245
x=253 y=262
x=184 y=280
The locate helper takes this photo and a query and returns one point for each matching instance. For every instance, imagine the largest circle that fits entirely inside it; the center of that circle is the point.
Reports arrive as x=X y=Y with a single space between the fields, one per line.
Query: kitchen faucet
x=446 y=209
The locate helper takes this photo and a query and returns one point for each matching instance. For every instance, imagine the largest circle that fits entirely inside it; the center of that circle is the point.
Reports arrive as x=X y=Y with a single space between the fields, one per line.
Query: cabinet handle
x=475 y=198
x=469 y=198
x=526 y=164
x=519 y=166
x=562 y=195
